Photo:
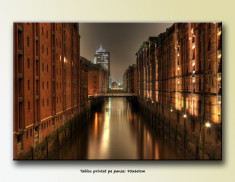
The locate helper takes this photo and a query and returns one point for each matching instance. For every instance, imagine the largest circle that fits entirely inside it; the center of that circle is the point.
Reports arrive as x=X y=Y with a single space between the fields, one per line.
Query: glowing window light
x=219 y=31
x=193 y=79
x=207 y=124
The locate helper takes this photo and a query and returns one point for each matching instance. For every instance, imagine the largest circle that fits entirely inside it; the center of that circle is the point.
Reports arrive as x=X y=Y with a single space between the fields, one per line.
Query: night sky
x=122 y=40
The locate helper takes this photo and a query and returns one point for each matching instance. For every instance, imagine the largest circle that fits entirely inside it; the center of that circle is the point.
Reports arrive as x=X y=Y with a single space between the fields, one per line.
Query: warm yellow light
x=193 y=46
x=185 y=116
x=178 y=68
x=193 y=64
x=178 y=54
x=171 y=110
x=208 y=125
x=219 y=55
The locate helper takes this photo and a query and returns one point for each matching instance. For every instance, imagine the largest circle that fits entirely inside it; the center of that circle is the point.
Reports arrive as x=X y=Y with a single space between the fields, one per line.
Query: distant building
x=114 y=85
x=102 y=57
x=98 y=79
x=130 y=80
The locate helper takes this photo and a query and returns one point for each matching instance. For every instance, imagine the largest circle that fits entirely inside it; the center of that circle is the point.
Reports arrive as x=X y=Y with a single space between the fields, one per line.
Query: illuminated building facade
x=180 y=73
x=102 y=57
x=84 y=63
x=46 y=80
x=98 y=79
x=114 y=85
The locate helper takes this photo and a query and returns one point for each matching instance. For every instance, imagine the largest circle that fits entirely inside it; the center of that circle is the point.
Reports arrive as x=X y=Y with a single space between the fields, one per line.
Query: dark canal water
x=118 y=132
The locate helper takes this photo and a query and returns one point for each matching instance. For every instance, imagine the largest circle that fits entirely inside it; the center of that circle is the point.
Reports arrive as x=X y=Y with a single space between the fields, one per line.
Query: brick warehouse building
x=130 y=79
x=46 y=80
x=98 y=79
x=179 y=79
x=83 y=83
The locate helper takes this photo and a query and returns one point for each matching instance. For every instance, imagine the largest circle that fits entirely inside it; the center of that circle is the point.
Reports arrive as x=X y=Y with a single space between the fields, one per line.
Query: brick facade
x=46 y=80
x=130 y=80
x=180 y=71
x=98 y=79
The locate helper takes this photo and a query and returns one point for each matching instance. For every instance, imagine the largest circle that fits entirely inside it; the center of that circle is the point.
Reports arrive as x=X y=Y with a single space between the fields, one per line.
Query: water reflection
x=119 y=132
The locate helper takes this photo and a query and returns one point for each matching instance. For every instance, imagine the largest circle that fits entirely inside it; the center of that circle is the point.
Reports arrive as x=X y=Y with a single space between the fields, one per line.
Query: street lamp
x=207 y=124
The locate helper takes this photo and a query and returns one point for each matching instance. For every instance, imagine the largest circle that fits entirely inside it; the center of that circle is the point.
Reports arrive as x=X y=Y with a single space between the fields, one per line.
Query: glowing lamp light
x=178 y=54
x=171 y=110
x=193 y=79
x=192 y=30
x=219 y=55
x=219 y=32
x=208 y=125
x=178 y=68
x=193 y=47
x=193 y=64
x=185 y=116
x=193 y=71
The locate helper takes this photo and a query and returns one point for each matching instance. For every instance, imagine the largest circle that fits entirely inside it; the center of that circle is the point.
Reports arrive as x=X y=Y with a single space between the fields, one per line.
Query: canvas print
x=126 y=91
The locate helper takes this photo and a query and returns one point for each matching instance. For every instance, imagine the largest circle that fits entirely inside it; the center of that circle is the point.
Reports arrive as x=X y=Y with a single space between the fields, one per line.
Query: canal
x=117 y=131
